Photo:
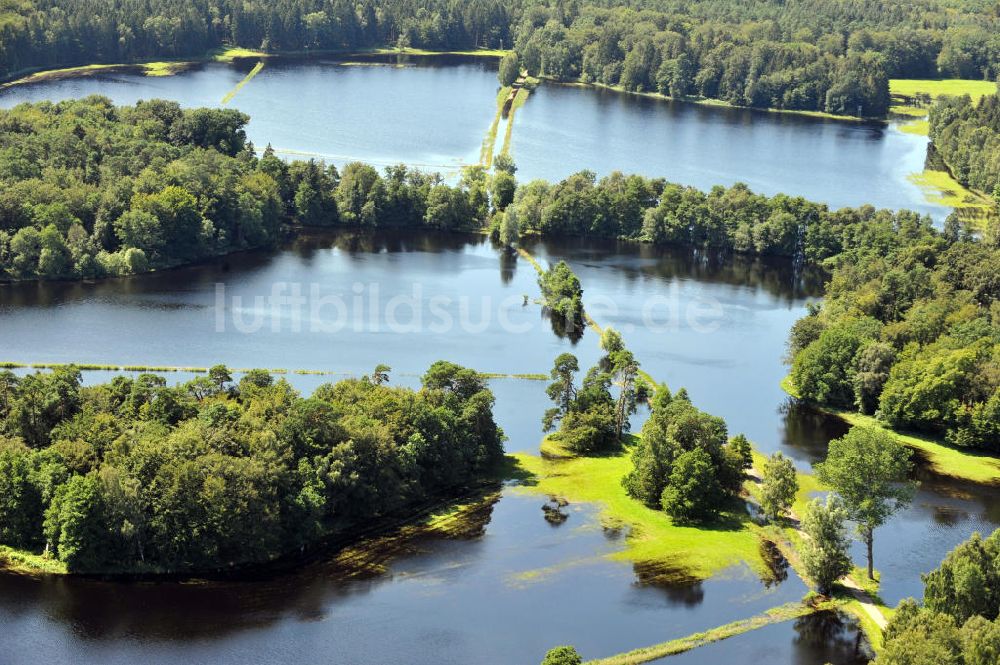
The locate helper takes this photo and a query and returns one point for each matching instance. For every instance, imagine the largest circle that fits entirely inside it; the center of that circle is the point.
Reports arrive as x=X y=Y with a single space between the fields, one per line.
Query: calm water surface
x=717 y=327
x=435 y=112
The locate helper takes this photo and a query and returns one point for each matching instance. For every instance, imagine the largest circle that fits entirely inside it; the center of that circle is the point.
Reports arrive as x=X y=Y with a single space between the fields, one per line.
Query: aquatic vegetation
x=239 y=86
x=786 y=612
x=652 y=535
x=489 y=143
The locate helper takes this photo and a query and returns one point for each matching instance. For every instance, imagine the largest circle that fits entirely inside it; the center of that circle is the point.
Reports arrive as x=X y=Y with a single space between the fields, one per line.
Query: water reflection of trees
x=198 y=609
x=777 y=276
x=830 y=637
x=676 y=584
x=808 y=431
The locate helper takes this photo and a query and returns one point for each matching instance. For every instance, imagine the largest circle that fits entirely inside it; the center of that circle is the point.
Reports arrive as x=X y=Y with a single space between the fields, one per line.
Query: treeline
x=967 y=136
x=88 y=189
x=958 y=622
x=809 y=54
x=135 y=475
x=804 y=54
x=910 y=334
x=53 y=34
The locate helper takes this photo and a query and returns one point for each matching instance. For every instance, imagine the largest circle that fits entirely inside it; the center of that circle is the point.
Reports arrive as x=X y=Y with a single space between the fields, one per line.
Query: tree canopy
x=135 y=475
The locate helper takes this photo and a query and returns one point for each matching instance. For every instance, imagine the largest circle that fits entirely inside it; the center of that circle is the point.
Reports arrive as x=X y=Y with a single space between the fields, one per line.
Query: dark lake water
x=715 y=326
x=434 y=113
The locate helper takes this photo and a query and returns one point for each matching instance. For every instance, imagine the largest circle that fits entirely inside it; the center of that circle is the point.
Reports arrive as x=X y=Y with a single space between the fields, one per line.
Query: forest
x=818 y=55
x=909 y=330
x=911 y=335
x=137 y=476
x=91 y=190
x=967 y=136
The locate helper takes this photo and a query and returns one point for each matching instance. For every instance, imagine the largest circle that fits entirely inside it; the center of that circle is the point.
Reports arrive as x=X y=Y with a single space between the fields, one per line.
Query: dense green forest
x=812 y=55
x=823 y=55
x=958 y=622
x=967 y=136
x=134 y=475
x=910 y=333
x=88 y=189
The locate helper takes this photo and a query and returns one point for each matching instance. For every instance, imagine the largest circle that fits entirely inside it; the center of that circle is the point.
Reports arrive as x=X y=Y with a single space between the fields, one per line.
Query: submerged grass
x=653 y=537
x=246 y=79
x=943 y=459
x=780 y=614
x=489 y=143
x=519 y=99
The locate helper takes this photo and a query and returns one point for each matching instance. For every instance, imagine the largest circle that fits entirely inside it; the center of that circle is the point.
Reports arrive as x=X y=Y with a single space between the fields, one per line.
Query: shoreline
x=169 y=67
x=431 y=516
x=717 y=103
x=941 y=458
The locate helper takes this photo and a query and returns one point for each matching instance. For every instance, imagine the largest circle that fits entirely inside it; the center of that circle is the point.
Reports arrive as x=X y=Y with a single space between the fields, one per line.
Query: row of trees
x=49 y=33
x=90 y=189
x=809 y=55
x=589 y=417
x=911 y=335
x=958 y=622
x=967 y=136
x=135 y=475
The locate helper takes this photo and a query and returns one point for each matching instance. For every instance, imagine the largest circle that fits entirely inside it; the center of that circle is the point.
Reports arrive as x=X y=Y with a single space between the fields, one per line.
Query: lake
x=434 y=112
x=715 y=326
x=341 y=302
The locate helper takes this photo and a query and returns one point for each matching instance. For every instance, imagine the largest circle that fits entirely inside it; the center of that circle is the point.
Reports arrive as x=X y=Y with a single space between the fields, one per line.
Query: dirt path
x=866 y=601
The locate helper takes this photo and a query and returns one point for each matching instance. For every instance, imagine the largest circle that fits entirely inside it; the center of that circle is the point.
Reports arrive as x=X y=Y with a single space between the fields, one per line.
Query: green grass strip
x=489 y=143
x=519 y=99
x=246 y=79
x=941 y=87
x=780 y=614
x=944 y=459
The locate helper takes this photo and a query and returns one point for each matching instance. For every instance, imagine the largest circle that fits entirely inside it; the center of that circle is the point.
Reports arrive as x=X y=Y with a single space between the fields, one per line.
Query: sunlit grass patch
x=162 y=68
x=940 y=87
x=229 y=54
x=698 y=551
x=942 y=458
x=917 y=127
x=22 y=561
